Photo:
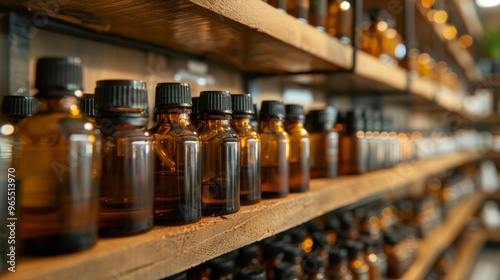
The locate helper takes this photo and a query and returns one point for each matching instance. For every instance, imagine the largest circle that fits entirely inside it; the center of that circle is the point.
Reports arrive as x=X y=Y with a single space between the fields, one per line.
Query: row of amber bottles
x=333 y=16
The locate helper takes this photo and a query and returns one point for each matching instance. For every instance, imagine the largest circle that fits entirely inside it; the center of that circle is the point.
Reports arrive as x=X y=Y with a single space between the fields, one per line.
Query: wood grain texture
x=372 y=68
x=249 y=34
x=468 y=249
x=442 y=236
x=167 y=250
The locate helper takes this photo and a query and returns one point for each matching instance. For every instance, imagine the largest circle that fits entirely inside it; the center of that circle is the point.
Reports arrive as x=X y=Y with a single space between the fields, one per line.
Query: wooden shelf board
x=168 y=250
x=442 y=236
x=372 y=68
x=250 y=34
x=469 y=247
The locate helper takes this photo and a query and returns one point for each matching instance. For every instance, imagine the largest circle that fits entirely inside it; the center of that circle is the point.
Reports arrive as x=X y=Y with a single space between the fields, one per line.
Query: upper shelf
x=249 y=34
x=461 y=56
x=168 y=250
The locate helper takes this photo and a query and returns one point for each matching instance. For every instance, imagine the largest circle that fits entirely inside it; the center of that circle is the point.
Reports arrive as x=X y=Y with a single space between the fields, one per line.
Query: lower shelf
x=442 y=236
x=167 y=250
x=468 y=249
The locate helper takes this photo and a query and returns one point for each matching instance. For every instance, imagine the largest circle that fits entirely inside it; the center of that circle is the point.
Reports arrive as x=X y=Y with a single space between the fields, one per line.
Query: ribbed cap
x=177 y=94
x=215 y=101
x=87 y=105
x=320 y=119
x=337 y=255
x=272 y=108
x=252 y=273
x=285 y=270
x=293 y=111
x=312 y=263
x=272 y=249
x=19 y=107
x=63 y=73
x=292 y=254
x=242 y=104
x=121 y=94
x=222 y=267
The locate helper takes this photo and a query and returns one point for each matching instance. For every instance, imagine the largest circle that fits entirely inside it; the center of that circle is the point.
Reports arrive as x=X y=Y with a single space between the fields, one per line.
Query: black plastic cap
x=215 y=101
x=298 y=234
x=255 y=112
x=222 y=267
x=87 y=105
x=312 y=263
x=333 y=223
x=353 y=247
x=110 y=94
x=272 y=108
x=64 y=74
x=292 y=254
x=320 y=119
x=341 y=117
x=337 y=255
x=242 y=104
x=195 y=108
x=319 y=240
x=248 y=253
x=354 y=121
x=19 y=106
x=173 y=94
x=252 y=273
x=294 y=111
x=272 y=249
x=285 y=270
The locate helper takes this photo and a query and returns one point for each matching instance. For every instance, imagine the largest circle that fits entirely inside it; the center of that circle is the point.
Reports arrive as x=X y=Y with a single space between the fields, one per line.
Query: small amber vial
x=178 y=157
x=220 y=155
x=59 y=192
x=340 y=20
x=337 y=265
x=275 y=152
x=299 y=9
x=353 y=145
x=300 y=147
x=250 y=148
x=324 y=143
x=317 y=13
x=127 y=183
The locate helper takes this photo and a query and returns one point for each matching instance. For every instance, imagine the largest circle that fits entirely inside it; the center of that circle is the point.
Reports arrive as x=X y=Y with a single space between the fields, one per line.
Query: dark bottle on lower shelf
x=220 y=155
x=337 y=265
x=178 y=276
x=275 y=150
x=313 y=267
x=249 y=147
x=59 y=192
x=324 y=143
x=357 y=264
x=252 y=273
x=127 y=183
x=178 y=157
x=221 y=269
x=293 y=255
x=286 y=271
x=272 y=256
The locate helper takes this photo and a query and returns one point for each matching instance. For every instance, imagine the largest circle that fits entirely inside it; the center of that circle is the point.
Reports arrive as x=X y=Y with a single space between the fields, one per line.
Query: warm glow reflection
x=430 y=15
x=391 y=33
x=440 y=17
x=345 y=5
x=7 y=129
x=427 y=3
x=424 y=58
x=402 y=137
x=382 y=26
x=450 y=32
x=465 y=41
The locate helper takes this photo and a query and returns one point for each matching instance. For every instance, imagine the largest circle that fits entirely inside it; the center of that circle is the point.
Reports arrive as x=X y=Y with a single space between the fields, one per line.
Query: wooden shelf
x=461 y=56
x=250 y=34
x=168 y=250
x=442 y=236
x=494 y=235
x=469 y=247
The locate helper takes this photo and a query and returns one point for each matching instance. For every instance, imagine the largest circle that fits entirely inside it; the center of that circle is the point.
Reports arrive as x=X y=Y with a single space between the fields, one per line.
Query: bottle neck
x=241 y=122
x=270 y=123
x=63 y=104
x=174 y=115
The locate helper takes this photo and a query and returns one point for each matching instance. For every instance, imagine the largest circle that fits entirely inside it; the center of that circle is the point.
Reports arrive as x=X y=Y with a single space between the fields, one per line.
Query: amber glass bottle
x=7 y=171
x=324 y=143
x=273 y=255
x=357 y=264
x=300 y=158
x=298 y=9
x=220 y=155
x=222 y=269
x=339 y=20
x=248 y=256
x=372 y=33
x=317 y=13
x=293 y=255
x=127 y=184
x=195 y=112
x=275 y=152
x=59 y=192
x=178 y=157
x=353 y=146
x=337 y=268
x=250 y=149
x=372 y=258
x=279 y=4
